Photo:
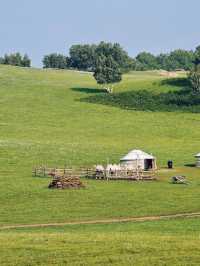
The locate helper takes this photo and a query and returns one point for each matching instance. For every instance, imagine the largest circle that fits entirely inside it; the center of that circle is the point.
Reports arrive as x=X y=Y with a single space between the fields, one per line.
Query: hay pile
x=64 y=182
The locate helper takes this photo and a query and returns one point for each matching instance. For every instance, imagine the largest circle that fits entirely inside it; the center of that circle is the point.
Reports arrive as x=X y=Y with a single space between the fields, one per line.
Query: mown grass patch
x=171 y=242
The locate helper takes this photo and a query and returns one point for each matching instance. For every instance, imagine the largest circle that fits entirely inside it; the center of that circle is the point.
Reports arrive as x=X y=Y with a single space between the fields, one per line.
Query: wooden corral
x=93 y=173
x=71 y=172
x=126 y=175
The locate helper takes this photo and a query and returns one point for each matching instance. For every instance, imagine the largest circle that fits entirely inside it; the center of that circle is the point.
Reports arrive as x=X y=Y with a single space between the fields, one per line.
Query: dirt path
x=105 y=221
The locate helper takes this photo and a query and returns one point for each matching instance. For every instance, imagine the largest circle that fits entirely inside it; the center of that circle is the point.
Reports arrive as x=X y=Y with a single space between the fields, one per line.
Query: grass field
x=173 y=242
x=46 y=118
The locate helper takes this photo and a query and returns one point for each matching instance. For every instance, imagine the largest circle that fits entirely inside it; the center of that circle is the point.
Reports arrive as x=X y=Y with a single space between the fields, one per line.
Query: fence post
x=44 y=172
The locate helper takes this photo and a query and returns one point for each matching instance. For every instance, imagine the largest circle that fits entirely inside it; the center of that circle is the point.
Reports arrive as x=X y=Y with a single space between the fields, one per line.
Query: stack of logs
x=66 y=182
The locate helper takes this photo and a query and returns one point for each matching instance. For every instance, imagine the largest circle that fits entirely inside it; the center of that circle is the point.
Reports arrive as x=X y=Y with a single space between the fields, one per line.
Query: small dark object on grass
x=179 y=179
x=170 y=164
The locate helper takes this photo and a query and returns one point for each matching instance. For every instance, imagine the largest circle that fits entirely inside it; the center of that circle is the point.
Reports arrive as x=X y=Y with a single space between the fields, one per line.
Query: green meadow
x=58 y=118
x=170 y=242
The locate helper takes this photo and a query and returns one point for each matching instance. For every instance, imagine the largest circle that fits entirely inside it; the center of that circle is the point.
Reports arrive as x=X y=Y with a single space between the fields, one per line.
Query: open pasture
x=43 y=121
x=170 y=242
x=46 y=119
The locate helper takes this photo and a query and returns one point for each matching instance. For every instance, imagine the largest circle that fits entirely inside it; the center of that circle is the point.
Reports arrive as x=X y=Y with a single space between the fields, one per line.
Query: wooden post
x=35 y=171
x=107 y=175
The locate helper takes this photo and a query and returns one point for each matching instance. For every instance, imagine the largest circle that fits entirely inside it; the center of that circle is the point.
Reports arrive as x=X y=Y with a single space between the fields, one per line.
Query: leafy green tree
x=197 y=55
x=1 y=60
x=181 y=59
x=107 y=71
x=54 y=60
x=194 y=75
x=194 y=78
x=163 y=61
x=16 y=59
x=119 y=55
x=177 y=59
x=82 y=57
x=26 y=62
x=147 y=61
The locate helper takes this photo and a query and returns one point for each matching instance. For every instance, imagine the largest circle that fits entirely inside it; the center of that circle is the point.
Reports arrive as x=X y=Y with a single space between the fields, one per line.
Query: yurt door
x=148 y=164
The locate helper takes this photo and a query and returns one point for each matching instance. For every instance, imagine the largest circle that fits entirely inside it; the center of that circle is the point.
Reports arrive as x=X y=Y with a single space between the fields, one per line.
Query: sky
x=40 y=27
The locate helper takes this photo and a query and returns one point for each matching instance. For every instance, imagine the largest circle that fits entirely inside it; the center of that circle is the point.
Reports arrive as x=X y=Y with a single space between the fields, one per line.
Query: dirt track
x=105 y=221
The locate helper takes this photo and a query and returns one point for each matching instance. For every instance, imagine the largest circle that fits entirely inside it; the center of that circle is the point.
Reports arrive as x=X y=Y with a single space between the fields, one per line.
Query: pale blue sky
x=39 y=27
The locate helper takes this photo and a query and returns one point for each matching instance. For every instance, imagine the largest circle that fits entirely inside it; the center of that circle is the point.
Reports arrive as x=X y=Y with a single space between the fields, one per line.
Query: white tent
x=137 y=159
x=198 y=159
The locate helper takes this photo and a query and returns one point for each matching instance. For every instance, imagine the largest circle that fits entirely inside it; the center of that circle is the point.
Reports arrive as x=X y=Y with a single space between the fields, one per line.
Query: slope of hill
x=45 y=119
x=61 y=117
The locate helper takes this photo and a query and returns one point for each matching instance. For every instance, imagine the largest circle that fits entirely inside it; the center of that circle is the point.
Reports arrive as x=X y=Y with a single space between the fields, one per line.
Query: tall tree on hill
x=194 y=78
x=118 y=54
x=194 y=75
x=107 y=72
x=82 y=57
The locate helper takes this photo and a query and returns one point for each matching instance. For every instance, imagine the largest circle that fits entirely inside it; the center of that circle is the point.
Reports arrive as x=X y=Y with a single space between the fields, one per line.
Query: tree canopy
x=147 y=61
x=194 y=75
x=55 y=61
x=16 y=59
x=84 y=57
x=107 y=70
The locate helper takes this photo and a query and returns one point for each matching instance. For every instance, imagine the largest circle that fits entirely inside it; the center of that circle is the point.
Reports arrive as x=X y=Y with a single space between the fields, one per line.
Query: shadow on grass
x=143 y=100
x=88 y=90
x=176 y=82
x=190 y=165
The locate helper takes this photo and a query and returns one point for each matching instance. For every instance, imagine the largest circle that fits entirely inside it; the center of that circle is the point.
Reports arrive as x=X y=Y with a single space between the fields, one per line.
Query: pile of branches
x=66 y=182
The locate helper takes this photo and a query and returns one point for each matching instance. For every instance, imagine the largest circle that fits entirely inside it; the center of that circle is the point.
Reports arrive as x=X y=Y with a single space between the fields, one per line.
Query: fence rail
x=92 y=173
x=45 y=171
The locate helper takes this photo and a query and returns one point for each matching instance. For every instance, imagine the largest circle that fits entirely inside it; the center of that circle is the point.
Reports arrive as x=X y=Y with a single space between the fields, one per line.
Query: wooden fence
x=78 y=172
x=130 y=175
x=93 y=174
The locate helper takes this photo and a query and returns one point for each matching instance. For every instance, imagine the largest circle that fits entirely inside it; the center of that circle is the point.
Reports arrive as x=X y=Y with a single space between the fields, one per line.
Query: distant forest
x=85 y=57
x=16 y=59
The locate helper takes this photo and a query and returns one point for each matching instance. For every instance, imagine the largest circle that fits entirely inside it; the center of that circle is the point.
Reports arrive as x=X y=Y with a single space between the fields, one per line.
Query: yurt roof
x=137 y=154
x=197 y=155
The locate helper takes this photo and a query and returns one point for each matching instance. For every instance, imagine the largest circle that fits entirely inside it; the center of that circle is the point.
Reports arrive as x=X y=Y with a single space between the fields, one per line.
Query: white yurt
x=137 y=159
x=197 y=156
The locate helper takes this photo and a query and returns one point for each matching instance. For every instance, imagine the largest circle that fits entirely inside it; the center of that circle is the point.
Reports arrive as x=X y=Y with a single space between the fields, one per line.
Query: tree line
x=109 y=61
x=84 y=57
x=16 y=59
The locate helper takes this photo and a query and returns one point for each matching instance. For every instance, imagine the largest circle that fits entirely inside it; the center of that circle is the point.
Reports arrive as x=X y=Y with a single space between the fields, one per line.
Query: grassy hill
x=62 y=117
